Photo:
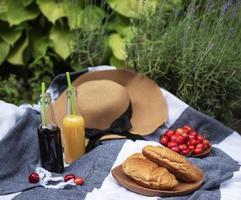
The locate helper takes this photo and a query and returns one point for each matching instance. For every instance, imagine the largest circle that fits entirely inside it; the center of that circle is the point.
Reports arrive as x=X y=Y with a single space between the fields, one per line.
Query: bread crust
x=148 y=174
x=173 y=162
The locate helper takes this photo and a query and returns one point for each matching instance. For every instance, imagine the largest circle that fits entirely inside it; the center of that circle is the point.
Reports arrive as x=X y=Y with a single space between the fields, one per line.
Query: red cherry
x=164 y=140
x=200 y=137
x=191 y=137
x=194 y=133
x=206 y=143
x=172 y=144
x=174 y=138
x=33 y=177
x=79 y=180
x=177 y=133
x=198 y=151
x=180 y=139
x=182 y=147
x=185 y=152
x=200 y=145
x=180 y=130
x=67 y=177
x=176 y=149
x=193 y=142
x=185 y=135
x=169 y=133
x=187 y=128
x=191 y=147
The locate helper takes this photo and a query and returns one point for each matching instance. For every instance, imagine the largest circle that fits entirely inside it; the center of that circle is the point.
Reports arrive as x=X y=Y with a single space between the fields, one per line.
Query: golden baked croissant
x=173 y=162
x=148 y=174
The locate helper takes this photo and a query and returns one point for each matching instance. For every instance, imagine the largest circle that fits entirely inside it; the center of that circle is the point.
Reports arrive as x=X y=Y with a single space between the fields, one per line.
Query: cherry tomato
x=200 y=137
x=194 y=133
x=180 y=130
x=200 y=145
x=34 y=177
x=198 y=151
x=180 y=139
x=176 y=149
x=182 y=147
x=185 y=135
x=206 y=143
x=191 y=137
x=187 y=128
x=169 y=133
x=185 y=152
x=193 y=142
x=79 y=180
x=191 y=147
x=67 y=177
x=172 y=144
x=164 y=140
x=177 y=133
x=174 y=138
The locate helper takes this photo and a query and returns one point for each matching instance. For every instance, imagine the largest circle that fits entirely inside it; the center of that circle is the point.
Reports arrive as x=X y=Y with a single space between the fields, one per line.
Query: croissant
x=173 y=162
x=147 y=173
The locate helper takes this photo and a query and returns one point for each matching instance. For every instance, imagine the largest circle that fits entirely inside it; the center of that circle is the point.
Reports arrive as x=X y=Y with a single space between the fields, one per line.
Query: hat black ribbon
x=120 y=127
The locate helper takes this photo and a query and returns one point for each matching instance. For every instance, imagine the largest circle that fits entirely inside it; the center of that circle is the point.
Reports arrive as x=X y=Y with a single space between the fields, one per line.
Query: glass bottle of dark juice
x=50 y=144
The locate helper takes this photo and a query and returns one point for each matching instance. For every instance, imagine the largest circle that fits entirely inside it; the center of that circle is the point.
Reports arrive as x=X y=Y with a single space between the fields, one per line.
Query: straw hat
x=103 y=97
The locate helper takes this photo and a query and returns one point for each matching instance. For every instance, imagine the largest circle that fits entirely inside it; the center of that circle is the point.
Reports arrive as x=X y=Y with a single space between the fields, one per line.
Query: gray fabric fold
x=19 y=154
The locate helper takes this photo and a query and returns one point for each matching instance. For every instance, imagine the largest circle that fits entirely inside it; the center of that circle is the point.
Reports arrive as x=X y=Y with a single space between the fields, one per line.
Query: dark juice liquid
x=51 y=148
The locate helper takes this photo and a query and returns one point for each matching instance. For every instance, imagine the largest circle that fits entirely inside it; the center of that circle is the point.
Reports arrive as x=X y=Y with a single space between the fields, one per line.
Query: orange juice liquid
x=74 y=137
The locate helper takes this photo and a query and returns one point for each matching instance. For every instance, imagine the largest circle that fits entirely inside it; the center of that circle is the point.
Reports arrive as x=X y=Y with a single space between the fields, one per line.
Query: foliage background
x=189 y=47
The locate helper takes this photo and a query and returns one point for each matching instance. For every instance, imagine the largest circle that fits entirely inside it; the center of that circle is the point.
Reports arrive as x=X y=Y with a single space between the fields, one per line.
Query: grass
x=91 y=44
x=195 y=54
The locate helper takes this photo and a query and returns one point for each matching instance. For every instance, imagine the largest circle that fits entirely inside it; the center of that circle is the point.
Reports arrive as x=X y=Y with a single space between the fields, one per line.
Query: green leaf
x=73 y=12
x=116 y=62
x=62 y=40
x=122 y=26
x=9 y=35
x=17 y=13
x=89 y=18
x=92 y=17
x=3 y=6
x=26 y=2
x=4 y=50
x=51 y=9
x=3 y=17
x=132 y=8
x=16 y=56
x=39 y=43
x=118 y=46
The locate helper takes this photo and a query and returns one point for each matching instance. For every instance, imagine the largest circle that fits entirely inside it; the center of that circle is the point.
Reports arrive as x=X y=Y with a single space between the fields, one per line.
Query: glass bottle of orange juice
x=73 y=130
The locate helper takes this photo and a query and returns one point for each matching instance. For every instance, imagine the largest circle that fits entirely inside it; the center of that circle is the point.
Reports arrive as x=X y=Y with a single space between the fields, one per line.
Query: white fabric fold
x=9 y=114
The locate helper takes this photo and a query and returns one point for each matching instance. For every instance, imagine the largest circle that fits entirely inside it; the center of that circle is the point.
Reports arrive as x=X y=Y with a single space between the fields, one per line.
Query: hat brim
x=149 y=110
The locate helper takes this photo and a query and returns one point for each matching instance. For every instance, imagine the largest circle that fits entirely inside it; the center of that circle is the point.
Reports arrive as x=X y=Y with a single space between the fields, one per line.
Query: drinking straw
x=72 y=97
x=43 y=105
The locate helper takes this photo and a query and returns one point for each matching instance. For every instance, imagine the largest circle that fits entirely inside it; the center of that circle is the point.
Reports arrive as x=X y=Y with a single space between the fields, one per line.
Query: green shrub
x=45 y=37
x=195 y=55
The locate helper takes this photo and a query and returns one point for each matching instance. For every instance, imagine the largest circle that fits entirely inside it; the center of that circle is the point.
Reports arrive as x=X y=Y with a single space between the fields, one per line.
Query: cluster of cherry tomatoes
x=185 y=141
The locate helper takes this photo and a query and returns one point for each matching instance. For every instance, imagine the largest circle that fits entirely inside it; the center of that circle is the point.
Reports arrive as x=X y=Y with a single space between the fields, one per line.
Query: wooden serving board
x=127 y=182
